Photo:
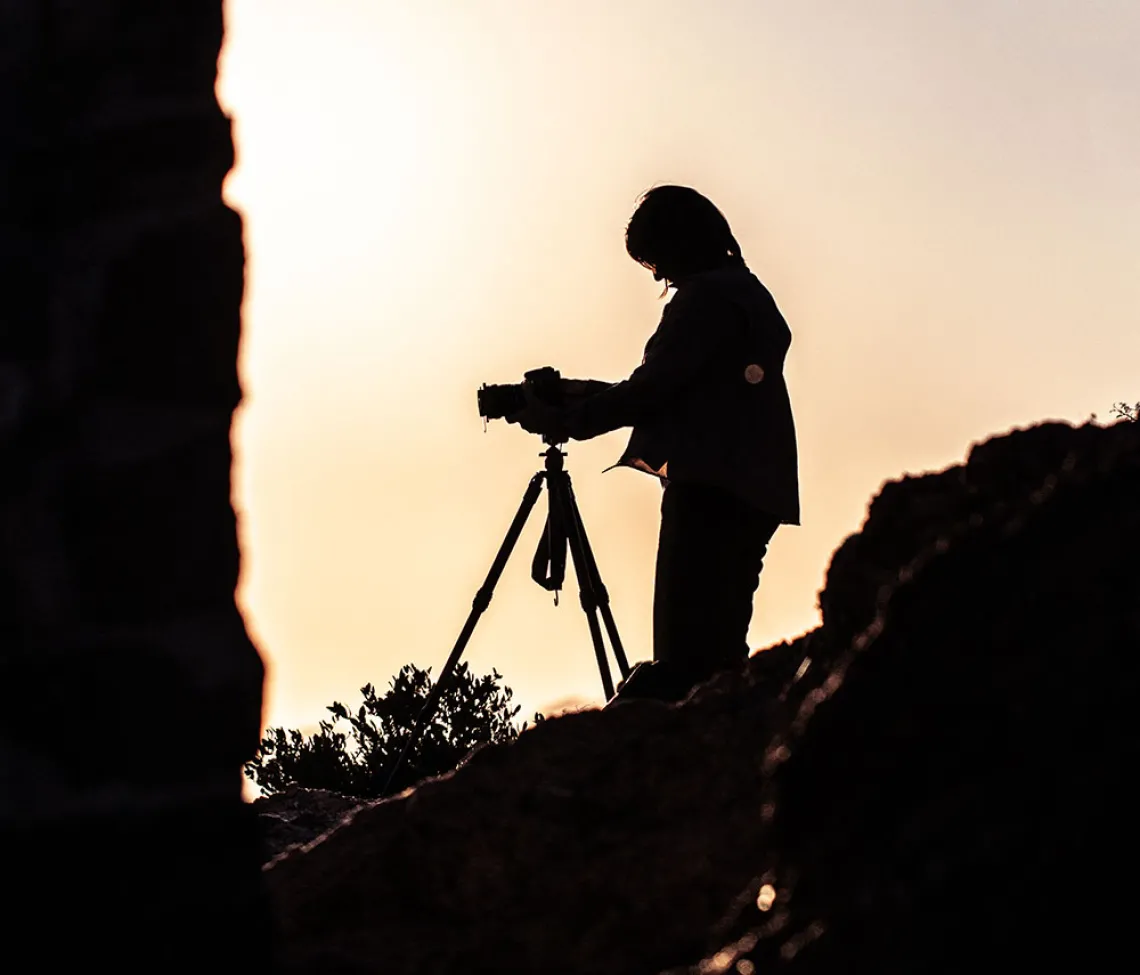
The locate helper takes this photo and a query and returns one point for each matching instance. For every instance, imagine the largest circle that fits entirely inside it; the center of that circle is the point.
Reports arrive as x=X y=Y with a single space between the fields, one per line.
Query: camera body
x=498 y=401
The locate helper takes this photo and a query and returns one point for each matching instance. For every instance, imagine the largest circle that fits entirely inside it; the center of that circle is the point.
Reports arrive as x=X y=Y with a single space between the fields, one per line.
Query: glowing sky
x=943 y=196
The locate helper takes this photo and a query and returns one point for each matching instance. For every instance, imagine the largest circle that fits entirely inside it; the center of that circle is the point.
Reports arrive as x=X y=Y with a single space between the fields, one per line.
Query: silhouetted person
x=712 y=419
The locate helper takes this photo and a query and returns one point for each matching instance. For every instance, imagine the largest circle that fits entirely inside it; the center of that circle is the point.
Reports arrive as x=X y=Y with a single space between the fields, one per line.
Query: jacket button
x=754 y=373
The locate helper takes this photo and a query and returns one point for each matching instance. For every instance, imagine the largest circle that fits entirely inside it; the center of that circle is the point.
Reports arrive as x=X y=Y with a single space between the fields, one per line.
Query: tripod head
x=554 y=453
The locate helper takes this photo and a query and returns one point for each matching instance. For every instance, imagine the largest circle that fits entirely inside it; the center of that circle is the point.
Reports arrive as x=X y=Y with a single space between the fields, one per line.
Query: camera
x=496 y=402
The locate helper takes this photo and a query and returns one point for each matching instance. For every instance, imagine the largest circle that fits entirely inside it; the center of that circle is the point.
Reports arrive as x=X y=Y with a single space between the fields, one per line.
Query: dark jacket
x=709 y=403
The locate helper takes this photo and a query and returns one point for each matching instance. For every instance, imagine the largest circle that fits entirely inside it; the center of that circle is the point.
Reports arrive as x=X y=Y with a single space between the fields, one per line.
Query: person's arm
x=578 y=390
x=696 y=325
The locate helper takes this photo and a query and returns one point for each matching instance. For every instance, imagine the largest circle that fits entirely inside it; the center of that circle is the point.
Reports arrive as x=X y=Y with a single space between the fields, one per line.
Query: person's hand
x=541 y=418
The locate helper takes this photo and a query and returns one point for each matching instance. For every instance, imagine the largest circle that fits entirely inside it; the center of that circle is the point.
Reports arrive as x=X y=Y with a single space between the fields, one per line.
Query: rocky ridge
x=934 y=777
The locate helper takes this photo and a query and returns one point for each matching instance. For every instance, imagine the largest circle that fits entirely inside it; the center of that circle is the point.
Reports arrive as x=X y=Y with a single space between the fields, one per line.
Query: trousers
x=709 y=556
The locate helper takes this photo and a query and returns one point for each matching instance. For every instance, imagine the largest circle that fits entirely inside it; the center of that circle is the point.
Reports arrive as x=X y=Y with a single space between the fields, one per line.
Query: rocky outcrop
x=953 y=791
x=297 y=816
x=937 y=775
x=130 y=692
x=123 y=281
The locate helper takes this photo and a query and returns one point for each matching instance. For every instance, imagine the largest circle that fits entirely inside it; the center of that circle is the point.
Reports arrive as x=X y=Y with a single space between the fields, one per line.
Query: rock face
x=130 y=693
x=118 y=379
x=298 y=816
x=936 y=776
x=955 y=792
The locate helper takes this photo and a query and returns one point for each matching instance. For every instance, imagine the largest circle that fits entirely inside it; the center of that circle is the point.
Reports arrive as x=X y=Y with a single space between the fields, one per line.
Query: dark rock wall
x=954 y=791
x=124 y=661
x=934 y=780
x=130 y=693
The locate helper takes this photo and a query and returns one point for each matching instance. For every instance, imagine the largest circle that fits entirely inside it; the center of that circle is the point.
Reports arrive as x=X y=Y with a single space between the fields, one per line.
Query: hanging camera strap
x=548 y=568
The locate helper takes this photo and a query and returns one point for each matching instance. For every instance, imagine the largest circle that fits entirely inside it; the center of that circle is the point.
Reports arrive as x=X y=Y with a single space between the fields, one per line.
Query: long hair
x=675 y=231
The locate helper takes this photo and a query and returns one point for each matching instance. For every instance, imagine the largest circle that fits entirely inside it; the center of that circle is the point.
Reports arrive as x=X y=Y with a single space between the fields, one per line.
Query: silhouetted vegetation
x=1126 y=411
x=353 y=752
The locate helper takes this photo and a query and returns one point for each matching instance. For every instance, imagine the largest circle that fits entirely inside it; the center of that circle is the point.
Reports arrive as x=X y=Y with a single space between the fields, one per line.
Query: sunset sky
x=942 y=195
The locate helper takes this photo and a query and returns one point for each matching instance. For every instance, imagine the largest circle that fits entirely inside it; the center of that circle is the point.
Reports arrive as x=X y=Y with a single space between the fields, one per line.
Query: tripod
x=564 y=529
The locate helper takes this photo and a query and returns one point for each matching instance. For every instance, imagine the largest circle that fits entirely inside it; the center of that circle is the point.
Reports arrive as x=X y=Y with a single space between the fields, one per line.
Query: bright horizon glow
x=944 y=199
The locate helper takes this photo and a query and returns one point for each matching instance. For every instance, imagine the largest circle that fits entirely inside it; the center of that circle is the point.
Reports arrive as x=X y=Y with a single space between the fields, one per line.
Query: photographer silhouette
x=712 y=419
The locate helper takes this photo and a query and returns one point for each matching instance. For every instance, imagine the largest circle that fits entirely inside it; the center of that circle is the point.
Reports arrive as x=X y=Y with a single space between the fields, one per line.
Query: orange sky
x=944 y=198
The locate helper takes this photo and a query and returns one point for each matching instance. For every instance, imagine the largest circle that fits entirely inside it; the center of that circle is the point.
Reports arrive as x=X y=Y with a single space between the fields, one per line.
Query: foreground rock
x=941 y=783
x=298 y=816
x=130 y=692
x=956 y=795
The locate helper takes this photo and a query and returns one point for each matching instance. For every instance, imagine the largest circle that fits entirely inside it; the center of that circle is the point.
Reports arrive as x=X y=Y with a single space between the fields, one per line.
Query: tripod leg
x=478 y=606
x=600 y=592
x=562 y=495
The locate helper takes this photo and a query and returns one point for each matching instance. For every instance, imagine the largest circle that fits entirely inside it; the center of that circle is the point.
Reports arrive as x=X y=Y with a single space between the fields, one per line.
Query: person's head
x=676 y=232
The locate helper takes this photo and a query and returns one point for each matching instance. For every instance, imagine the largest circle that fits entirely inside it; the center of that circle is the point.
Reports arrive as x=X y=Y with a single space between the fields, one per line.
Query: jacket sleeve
x=695 y=328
